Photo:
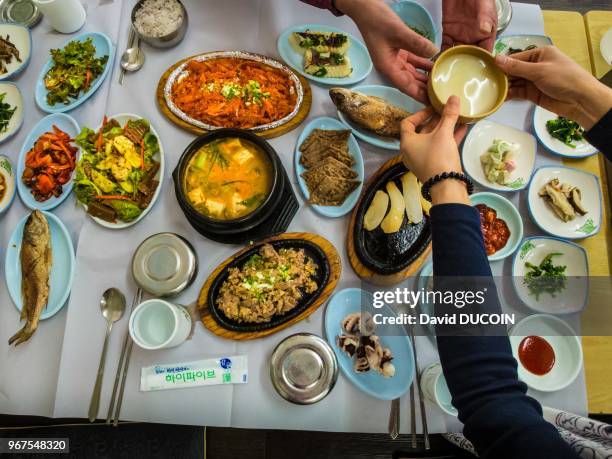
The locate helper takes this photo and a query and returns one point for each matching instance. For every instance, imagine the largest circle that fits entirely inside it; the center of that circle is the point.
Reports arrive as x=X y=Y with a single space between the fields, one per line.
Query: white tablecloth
x=53 y=374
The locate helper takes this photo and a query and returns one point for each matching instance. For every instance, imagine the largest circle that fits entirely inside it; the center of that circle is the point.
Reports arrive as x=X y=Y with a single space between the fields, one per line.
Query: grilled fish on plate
x=369 y=112
x=36 y=262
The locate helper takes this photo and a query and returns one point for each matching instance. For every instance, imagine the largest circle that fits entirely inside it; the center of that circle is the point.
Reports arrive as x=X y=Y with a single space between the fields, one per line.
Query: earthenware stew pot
x=238 y=225
x=389 y=253
x=313 y=251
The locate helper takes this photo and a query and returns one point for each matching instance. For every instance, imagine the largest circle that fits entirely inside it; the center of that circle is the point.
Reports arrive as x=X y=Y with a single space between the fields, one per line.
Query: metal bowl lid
x=22 y=12
x=504 y=14
x=303 y=368
x=164 y=264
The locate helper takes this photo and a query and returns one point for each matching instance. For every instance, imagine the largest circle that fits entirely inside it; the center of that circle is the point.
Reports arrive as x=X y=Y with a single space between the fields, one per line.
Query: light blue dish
x=103 y=47
x=14 y=98
x=357 y=53
x=21 y=37
x=507 y=212
x=7 y=171
x=349 y=301
x=328 y=123
x=520 y=41
x=67 y=124
x=394 y=97
x=62 y=269
x=416 y=15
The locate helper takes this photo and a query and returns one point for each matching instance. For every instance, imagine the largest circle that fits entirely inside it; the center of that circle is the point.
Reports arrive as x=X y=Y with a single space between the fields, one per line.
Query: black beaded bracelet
x=425 y=189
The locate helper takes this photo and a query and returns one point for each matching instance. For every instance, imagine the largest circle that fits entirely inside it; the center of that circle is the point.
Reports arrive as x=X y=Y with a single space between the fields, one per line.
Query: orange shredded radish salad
x=234 y=92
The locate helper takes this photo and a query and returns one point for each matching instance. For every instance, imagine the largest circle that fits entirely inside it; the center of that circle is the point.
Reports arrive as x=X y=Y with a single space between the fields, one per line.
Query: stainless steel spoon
x=112 y=305
x=132 y=59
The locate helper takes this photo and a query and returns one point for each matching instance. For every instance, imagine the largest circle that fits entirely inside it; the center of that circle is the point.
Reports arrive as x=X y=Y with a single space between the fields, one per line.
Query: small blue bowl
x=104 y=47
x=416 y=15
x=328 y=123
x=507 y=212
x=62 y=268
x=349 y=301
x=67 y=124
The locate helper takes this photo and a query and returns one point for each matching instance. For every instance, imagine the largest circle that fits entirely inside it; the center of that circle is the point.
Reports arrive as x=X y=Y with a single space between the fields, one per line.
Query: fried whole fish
x=369 y=112
x=35 y=270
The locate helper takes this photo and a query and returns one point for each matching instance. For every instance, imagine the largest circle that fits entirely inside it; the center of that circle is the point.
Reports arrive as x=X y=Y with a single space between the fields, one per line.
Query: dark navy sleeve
x=499 y=418
x=600 y=135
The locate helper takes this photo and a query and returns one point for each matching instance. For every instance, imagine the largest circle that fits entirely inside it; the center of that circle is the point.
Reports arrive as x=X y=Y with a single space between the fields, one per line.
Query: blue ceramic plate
x=570 y=300
x=349 y=301
x=21 y=37
x=67 y=124
x=507 y=212
x=104 y=47
x=13 y=97
x=357 y=53
x=544 y=216
x=580 y=149
x=416 y=16
x=62 y=268
x=504 y=43
x=327 y=123
x=394 y=97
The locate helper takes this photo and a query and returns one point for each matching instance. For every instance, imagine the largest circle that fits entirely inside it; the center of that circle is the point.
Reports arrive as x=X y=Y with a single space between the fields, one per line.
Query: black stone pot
x=389 y=253
x=273 y=216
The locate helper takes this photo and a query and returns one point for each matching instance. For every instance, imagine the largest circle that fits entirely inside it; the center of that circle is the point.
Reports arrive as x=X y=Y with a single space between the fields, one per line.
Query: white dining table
x=53 y=374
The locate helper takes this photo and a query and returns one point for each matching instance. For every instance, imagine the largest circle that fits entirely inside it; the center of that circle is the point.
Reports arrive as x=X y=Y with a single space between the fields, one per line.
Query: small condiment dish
x=505 y=211
x=8 y=176
x=605 y=46
x=13 y=98
x=581 y=148
x=418 y=18
x=467 y=83
x=166 y=41
x=565 y=344
x=478 y=141
x=573 y=298
x=21 y=37
x=545 y=217
x=436 y=390
x=503 y=44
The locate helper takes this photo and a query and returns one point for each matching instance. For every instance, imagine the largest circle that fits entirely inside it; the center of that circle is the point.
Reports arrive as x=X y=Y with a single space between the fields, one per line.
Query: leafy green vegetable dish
x=116 y=174
x=545 y=277
x=567 y=131
x=6 y=113
x=74 y=69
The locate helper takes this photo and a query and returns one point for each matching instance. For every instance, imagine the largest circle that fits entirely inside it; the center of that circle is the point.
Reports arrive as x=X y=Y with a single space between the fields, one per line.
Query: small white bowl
x=605 y=46
x=479 y=140
x=21 y=37
x=574 y=297
x=8 y=173
x=542 y=214
x=14 y=99
x=555 y=146
x=504 y=43
x=565 y=343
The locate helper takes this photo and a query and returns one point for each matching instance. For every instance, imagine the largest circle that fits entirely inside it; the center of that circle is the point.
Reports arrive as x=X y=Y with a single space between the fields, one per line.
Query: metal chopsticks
x=418 y=384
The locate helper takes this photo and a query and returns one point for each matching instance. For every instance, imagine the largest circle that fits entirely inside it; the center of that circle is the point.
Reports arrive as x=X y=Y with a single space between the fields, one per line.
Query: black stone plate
x=321 y=277
x=389 y=253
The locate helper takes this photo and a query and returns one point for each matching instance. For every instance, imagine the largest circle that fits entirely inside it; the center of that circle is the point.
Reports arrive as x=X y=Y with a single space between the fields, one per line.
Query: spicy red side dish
x=49 y=164
x=536 y=355
x=494 y=230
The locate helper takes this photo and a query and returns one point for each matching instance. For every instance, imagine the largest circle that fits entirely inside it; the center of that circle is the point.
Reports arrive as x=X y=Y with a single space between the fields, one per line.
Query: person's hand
x=429 y=147
x=469 y=22
x=397 y=51
x=549 y=78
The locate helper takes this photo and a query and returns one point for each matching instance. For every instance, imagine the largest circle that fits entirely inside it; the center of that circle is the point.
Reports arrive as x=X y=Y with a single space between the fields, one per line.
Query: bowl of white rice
x=160 y=23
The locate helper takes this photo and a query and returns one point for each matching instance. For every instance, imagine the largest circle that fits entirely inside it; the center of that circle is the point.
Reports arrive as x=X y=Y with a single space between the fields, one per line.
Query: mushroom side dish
x=360 y=343
x=564 y=199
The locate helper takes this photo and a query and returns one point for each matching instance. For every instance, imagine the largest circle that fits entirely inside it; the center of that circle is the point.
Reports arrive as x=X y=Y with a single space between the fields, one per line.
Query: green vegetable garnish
x=567 y=131
x=321 y=72
x=6 y=113
x=74 y=70
x=421 y=32
x=545 y=277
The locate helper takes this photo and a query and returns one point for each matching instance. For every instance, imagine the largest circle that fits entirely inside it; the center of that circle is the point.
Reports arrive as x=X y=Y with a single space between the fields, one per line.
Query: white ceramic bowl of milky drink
x=471 y=74
x=158 y=324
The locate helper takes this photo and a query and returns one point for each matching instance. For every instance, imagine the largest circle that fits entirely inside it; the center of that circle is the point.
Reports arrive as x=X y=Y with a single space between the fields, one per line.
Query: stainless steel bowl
x=167 y=41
